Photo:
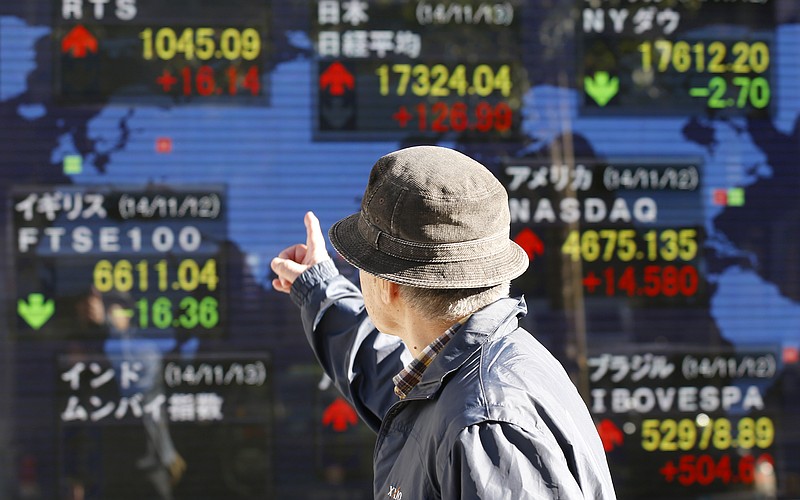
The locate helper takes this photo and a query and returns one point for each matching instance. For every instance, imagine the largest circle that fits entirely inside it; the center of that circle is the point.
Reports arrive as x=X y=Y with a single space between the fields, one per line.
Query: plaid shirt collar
x=412 y=374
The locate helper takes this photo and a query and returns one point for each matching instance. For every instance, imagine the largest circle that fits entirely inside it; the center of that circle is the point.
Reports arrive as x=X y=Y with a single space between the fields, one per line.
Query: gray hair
x=452 y=304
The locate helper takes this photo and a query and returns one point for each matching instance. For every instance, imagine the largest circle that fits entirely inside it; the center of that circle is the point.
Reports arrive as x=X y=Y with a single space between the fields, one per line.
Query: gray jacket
x=495 y=415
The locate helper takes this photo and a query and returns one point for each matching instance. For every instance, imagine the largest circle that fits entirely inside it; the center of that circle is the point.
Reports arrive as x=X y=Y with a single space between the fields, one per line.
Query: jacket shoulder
x=514 y=381
x=509 y=377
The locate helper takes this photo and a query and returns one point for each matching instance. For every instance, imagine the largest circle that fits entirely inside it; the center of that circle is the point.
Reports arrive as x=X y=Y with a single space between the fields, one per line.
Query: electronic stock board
x=157 y=155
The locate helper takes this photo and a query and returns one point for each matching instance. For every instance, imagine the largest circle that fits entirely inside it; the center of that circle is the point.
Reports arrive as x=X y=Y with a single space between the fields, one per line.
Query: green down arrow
x=601 y=88
x=36 y=311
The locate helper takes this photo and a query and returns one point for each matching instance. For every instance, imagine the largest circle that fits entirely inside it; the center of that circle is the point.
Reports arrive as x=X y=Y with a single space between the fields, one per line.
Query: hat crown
x=434 y=195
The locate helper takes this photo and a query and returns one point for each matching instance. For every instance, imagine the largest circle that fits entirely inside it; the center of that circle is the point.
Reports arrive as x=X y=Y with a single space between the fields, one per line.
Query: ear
x=390 y=292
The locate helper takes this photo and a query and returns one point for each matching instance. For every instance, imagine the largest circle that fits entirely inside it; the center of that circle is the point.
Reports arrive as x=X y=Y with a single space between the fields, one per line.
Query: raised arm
x=360 y=360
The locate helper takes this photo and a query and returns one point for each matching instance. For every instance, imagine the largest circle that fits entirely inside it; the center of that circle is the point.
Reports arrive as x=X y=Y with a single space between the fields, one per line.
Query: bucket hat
x=431 y=217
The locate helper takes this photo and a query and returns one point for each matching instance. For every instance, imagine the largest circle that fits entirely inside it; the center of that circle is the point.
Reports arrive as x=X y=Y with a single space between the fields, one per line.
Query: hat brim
x=481 y=272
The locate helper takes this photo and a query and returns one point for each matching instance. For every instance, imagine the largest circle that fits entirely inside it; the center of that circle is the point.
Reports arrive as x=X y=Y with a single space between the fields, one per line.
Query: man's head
x=432 y=218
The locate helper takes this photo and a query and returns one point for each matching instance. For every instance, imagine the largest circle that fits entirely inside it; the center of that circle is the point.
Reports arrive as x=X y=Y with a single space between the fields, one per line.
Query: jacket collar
x=498 y=316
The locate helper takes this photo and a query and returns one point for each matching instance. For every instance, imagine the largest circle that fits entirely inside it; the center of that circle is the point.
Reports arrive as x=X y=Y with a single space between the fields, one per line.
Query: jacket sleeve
x=499 y=460
x=360 y=360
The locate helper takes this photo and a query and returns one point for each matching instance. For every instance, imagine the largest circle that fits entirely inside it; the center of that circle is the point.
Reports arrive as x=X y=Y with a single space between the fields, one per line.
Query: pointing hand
x=293 y=261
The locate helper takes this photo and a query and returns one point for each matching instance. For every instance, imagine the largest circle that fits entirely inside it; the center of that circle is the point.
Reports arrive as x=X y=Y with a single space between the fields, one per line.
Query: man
x=481 y=409
x=154 y=473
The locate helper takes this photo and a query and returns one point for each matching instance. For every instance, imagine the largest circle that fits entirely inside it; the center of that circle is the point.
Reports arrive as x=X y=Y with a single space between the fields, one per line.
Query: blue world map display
x=274 y=169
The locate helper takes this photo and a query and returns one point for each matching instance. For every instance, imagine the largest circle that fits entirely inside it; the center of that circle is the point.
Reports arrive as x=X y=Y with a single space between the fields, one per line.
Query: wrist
x=309 y=279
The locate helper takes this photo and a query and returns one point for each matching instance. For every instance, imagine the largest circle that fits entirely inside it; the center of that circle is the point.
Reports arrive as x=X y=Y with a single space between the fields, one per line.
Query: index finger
x=314 y=238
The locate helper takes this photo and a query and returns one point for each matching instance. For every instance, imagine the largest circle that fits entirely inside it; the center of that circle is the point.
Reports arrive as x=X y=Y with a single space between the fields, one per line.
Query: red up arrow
x=530 y=242
x=338 y=415
x=79 y=42
x=336 y=79
x=610 y=435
